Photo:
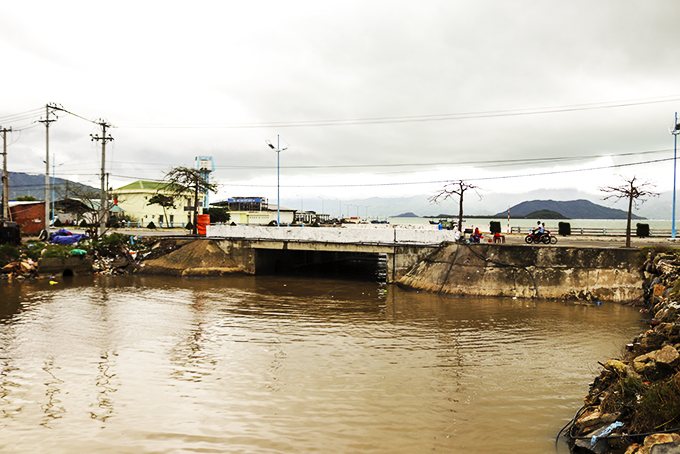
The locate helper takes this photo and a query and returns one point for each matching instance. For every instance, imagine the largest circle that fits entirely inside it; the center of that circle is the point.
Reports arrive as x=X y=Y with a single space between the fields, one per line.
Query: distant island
x=573 y=209
x=408 y=214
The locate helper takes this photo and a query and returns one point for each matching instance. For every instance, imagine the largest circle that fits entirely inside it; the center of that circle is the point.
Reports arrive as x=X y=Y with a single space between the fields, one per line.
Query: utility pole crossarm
x=103 y=199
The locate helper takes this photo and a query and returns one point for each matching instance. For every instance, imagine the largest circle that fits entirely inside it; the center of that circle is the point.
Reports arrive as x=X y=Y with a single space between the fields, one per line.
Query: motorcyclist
x=539 y=231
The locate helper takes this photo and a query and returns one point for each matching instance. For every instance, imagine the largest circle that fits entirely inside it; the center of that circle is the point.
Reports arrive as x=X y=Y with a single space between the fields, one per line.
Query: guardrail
x=600 y=231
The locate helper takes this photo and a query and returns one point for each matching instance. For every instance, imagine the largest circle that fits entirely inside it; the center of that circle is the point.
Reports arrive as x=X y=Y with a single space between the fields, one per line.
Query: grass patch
x=648 y=406
x=8 y=253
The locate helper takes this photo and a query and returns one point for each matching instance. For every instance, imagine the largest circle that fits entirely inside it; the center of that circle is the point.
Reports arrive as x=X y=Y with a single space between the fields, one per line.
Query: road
x=513 y=238
x=597 y=241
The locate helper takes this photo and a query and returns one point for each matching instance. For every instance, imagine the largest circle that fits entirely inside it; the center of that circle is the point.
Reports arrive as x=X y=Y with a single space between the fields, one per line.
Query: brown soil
x=198 y=258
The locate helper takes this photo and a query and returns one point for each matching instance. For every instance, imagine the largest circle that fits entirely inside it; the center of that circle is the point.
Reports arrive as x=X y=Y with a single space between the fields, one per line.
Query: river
x=284 y=364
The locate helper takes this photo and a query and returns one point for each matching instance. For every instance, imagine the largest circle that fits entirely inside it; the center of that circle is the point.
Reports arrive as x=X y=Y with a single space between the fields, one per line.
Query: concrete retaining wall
x=71 y=266
x=510 y=271
x=385 y=235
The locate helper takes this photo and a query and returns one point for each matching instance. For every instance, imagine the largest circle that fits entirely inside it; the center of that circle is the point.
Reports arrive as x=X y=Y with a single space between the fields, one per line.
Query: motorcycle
x=535 y=237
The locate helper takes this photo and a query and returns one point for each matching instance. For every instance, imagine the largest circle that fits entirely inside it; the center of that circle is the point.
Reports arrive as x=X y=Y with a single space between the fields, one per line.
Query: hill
x=22 y=184
x=573 y=209
x=406 y=215
x=545 y=214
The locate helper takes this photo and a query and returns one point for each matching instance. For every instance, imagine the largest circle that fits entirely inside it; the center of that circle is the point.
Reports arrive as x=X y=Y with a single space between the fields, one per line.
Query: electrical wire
x=416 y=118
x=457 y=179
x=477 y=163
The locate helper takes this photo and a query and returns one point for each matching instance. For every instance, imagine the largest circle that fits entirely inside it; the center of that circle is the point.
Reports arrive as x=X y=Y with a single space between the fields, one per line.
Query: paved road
x=597 y=241
x=514 y=238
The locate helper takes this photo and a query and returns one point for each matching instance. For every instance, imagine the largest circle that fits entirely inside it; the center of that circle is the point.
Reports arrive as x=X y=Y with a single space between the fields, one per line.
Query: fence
x=601 y=231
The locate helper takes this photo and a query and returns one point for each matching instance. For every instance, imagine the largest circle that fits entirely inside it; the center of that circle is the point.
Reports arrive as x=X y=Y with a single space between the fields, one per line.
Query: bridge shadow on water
x=360 y=267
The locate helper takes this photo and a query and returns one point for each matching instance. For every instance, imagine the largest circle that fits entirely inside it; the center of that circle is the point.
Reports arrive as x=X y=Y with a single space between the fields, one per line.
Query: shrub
x=83 y=223
x=151 y=225
x=58 y=223
x=8 y=253
x=189 y=226
x=564 y=228
x=217 y=214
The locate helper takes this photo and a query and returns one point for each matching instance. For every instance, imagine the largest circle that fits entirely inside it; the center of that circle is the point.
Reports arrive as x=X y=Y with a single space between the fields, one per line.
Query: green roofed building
x=134 y=199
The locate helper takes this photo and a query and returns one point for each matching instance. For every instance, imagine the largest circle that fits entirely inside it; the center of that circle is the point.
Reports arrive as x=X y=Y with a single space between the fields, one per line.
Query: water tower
x=205 y=165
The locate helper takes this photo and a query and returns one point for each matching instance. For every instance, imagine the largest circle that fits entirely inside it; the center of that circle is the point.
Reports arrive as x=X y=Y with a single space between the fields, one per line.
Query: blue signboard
x=251 y=200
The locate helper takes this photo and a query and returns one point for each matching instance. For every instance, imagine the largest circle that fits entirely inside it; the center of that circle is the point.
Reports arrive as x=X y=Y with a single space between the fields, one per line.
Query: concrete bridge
x=263 y=249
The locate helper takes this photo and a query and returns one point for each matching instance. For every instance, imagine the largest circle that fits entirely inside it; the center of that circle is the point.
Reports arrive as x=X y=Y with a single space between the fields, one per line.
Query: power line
x=416 y=118
x=457 y=179
x=478 y=163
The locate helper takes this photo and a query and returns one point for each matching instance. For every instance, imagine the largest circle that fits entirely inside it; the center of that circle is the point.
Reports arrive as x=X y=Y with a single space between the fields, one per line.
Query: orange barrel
x=202 y=222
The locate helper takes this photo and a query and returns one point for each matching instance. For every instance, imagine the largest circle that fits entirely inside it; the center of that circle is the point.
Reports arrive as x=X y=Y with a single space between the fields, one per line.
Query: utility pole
x=103 y=199
x=5 y=176
x=47 y=122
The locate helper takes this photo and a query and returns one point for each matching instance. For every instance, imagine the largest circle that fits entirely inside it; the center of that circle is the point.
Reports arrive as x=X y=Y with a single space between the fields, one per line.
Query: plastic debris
x=605 y=432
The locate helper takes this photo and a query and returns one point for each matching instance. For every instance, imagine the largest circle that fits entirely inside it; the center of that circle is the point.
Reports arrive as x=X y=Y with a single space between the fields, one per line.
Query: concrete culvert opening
x=67 y=273
x=357 y=266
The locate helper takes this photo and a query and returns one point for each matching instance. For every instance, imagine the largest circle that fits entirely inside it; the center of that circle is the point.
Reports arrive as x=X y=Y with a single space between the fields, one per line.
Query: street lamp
x=278 y=151
x=675 y=131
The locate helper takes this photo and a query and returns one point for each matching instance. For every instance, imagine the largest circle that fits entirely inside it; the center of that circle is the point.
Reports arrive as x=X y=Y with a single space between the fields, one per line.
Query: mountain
x=573 y=209
x=22 y=184
x=487 y=205
x=406 y=215
x=546 y=214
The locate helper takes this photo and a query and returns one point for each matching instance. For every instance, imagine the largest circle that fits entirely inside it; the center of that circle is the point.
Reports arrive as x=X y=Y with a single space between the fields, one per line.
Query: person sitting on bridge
x=476 y=236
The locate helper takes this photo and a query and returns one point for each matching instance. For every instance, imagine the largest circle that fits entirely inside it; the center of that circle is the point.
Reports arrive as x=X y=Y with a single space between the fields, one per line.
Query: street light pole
x=278 y=151
x=675 y=132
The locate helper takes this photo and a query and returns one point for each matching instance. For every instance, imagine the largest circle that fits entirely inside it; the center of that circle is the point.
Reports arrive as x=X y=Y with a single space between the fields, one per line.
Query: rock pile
x=19 y=269
x=634 y=404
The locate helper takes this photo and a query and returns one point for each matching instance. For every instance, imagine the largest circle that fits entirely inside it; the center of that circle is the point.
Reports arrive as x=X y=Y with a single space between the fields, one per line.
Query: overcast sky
x=370 y=98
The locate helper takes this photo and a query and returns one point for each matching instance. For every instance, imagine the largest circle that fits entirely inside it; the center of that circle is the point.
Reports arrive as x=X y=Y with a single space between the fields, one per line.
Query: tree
x=634 y=192
x=26 y=198
x=180 y=181
x=164 y=201
x=84 y=203
x=218 y=214
x=456 y=188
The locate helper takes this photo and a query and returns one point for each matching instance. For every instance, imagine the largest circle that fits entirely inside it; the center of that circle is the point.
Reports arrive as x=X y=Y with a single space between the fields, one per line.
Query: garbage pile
x=19 y=269
x=63 y=236
x=634 y=404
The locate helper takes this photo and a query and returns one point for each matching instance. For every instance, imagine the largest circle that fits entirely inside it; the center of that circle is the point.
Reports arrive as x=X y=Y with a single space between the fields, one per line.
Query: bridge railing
x=390 y=235
x=600 y=231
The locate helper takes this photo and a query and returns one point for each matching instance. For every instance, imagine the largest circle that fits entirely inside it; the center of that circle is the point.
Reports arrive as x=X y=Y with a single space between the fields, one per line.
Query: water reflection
x=52 y=408
x=103 y=408
x=281 y=364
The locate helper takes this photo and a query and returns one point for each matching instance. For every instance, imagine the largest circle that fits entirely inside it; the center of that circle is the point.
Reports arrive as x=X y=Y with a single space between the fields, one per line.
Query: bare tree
x=180 y=181
x=456 y=188
x=636 y=193
x=84 y=202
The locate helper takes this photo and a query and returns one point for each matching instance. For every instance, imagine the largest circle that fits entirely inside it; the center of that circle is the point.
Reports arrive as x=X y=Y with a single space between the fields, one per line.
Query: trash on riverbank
x=638 y=395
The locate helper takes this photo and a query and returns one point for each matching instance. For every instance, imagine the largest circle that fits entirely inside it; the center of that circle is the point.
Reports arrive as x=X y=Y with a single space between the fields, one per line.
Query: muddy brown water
x=290 y=365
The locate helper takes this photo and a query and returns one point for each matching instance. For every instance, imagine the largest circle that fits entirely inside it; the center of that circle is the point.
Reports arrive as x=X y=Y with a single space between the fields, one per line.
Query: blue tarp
x=63 y=236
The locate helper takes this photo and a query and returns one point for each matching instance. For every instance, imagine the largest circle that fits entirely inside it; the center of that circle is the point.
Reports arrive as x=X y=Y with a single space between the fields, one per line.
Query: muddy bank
x=119 y=255
x=197 y=258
